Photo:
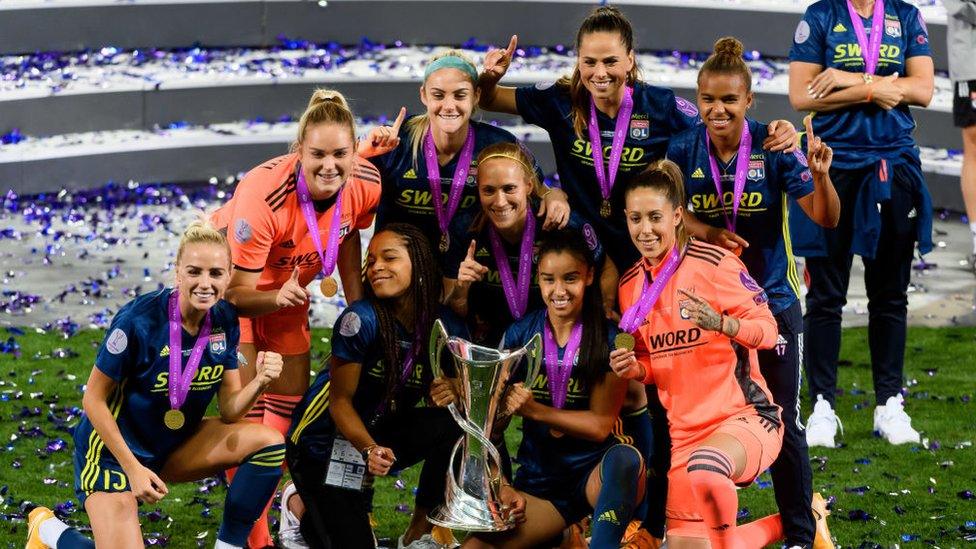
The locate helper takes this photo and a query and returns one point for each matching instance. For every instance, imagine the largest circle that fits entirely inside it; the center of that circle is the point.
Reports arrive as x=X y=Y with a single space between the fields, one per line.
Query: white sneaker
x=425 y=541
x=892 y=423
x=822 y=425
x=289 y=531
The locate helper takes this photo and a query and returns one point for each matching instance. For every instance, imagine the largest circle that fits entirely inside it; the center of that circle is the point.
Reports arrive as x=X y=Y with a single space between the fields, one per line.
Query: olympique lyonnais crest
x=892 y=28
x=640 y=129
x=757 y=170
x=218 y=343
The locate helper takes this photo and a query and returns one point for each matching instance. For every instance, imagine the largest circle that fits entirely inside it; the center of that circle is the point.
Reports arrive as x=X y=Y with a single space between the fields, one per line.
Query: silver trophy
x=471 y=500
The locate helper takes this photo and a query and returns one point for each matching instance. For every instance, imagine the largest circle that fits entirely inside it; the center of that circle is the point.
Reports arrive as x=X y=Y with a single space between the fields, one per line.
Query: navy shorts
x=964 y=103
x=98 y=471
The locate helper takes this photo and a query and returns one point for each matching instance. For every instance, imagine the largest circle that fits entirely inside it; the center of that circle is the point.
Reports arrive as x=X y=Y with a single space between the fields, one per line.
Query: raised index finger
x=511 y=45
x=808 y=126
x=471 y=248
x=399 y=120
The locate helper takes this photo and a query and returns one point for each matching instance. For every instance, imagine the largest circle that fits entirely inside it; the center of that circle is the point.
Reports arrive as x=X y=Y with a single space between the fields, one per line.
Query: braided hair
x=424 y=293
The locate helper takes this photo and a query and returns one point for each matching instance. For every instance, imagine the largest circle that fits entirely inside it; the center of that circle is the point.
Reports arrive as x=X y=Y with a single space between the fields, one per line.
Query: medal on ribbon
x=516 y=293
x=330 y=254
x=446 y=212
x=559 y=371
x=180 y=378
x=870 y=50
x=741 y=170
x=636 y=313
x=607 y=175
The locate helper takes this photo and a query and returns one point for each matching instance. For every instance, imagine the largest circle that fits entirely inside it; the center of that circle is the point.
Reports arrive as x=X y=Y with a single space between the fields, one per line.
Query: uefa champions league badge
x=242 y=231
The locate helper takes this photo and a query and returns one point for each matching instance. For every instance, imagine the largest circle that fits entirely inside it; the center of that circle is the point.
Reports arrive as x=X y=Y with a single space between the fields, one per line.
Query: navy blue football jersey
x=657 y=116
x=763 y=218
x=488 y=312
x=135 y=354
x=406 y=196
x=356 y=338
x=547 y=457
x=860 y=134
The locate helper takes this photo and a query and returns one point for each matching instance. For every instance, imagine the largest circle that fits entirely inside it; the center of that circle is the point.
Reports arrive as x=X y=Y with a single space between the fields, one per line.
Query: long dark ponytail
x=425 y=291
x=594 y=355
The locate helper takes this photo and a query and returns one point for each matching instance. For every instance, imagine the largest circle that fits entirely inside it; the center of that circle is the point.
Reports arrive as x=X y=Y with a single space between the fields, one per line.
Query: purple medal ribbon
x=331 y=253
x=516 y=295
x=870 y=51
x=179 y=377
x=404 y=375
x=444 y=215
x=636 y=313
x=741 y=169
x=616 y=149
x=557 y=370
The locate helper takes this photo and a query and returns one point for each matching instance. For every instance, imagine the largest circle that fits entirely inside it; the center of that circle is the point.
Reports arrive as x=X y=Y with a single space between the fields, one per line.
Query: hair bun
x=729 y=45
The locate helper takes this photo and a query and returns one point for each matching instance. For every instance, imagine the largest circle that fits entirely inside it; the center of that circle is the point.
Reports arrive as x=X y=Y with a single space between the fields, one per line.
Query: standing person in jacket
x=961 y=37
x=291 y=218
x=859 y=65
x=737 y=193
x=696 y=319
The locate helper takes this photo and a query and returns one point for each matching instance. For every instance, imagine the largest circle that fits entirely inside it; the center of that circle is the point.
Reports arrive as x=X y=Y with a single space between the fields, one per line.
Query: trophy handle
x=438 y=339
x=533 y=359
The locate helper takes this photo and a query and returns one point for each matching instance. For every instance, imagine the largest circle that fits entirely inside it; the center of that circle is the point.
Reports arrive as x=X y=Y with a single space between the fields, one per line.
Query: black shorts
x=964 y=103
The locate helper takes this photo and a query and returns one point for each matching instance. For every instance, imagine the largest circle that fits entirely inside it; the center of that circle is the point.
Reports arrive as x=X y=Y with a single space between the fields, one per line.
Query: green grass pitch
x=907 y=495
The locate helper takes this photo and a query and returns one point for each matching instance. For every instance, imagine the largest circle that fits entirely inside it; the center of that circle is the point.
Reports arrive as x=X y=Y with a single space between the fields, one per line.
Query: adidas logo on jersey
x=609 y=516
x=698 y=174
x=839 y=27
x=288 y=243
x=410 y=174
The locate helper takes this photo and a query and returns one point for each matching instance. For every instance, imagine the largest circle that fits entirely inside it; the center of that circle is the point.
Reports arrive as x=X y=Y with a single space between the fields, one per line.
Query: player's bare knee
x=265 y=436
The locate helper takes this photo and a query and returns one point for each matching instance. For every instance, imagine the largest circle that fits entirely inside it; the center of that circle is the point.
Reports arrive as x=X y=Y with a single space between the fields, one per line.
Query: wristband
x=870 y=92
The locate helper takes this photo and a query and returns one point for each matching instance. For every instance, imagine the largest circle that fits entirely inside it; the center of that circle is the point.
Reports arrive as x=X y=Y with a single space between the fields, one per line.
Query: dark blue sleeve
x=514 y=336
x=916 y=34
x=538 y=104
x=678 y=153
x=577 y=223
x=233 y=331
x=355 y=333
x=454 y=325
x=120 y=350
x=792 y=173
x=684 y=115
x=809 y=38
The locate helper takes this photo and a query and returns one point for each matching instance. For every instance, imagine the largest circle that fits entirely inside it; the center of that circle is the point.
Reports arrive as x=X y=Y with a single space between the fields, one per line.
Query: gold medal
x=624 y=341
x=174 y=420
x=329 y=287
x=556 y=434
x=605 y=209
x=445 y=243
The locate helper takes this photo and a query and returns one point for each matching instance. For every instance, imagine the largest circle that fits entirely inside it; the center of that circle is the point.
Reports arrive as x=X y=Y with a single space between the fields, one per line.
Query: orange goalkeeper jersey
x=265 y=227
x=703 y=377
